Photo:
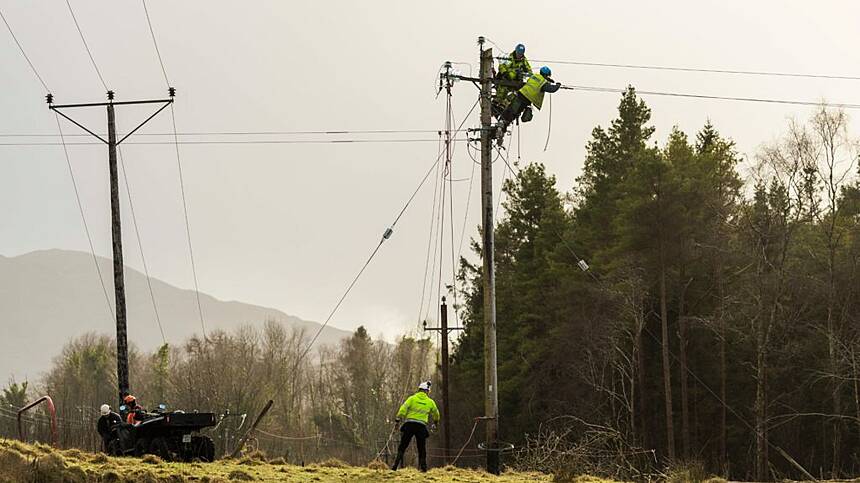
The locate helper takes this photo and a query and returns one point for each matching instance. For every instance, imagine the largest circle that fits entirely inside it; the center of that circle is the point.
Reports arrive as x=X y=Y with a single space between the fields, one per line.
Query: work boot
x=527 y=115
x=500 y=134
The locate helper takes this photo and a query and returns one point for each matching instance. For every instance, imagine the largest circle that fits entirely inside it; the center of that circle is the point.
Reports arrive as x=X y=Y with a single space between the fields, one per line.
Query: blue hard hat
x=520 y=49
x=545 y=71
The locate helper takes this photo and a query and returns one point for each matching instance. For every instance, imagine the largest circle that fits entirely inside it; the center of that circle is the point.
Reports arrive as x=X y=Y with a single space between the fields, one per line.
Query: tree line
x=717 y=323
x=338 y=402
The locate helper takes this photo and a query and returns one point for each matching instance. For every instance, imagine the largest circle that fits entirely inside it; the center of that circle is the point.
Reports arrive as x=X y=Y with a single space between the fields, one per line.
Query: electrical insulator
x=50 y=98
x=387 y=234
x=582 y=265
x=171 y=91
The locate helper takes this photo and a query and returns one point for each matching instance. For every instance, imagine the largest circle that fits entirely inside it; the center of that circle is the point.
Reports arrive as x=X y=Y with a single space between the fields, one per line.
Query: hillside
x=48 y=297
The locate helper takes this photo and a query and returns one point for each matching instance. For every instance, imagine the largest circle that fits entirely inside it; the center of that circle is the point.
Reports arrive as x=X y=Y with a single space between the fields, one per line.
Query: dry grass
x=25 y=462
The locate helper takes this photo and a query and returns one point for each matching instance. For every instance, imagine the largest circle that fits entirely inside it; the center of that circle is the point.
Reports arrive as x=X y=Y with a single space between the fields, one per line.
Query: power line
x=155 y=43
x=429 y=237
x=140 y=244
x=274 y=141
x=86 y=46
x=84 y=219
x=385 y=236
x=250 y=133
x=703 y=70
x=26 y=57
x=710 y=97
x=369 y=259
x=187 y=224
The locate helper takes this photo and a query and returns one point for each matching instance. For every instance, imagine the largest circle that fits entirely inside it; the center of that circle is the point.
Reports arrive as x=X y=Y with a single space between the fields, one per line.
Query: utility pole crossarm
x=122 y=369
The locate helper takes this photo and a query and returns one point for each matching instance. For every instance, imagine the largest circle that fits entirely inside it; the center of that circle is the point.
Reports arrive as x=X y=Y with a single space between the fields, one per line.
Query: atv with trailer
x=170 y=435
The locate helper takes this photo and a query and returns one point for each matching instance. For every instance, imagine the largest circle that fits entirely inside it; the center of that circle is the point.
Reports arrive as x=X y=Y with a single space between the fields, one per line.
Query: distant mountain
x=48 y=297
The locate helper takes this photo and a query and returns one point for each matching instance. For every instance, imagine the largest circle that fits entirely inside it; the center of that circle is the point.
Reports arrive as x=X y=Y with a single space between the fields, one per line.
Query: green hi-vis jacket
x=533 y=90
x=419 y=408
x=515 y=69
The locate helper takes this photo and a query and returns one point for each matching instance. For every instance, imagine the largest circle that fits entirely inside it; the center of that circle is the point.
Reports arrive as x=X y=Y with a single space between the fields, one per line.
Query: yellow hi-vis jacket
x=533 y=91
x=419 y=408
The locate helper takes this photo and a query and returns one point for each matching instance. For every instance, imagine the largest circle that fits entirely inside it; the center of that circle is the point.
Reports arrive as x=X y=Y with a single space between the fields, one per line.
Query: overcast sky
x=288 y=225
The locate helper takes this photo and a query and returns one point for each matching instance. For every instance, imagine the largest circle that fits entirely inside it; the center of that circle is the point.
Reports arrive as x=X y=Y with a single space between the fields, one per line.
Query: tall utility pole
x=491 y=389
x=446 y=404
x=116 y=226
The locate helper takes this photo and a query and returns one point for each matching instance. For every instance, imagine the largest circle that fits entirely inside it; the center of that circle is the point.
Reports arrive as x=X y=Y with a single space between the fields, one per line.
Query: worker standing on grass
x=416 y=413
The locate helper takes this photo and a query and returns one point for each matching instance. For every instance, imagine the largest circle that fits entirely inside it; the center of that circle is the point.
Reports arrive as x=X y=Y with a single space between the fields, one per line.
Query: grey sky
x=287 y=226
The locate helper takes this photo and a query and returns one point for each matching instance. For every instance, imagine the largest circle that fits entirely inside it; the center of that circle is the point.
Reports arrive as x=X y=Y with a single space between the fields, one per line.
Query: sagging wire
x=140 y=243
x=549 y=125
x=83 y=217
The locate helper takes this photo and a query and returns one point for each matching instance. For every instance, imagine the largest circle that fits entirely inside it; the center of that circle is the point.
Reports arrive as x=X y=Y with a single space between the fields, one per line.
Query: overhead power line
x=86 y=46
x=702 y=70
x=84 y=219
x=385 y=236
x=155 y=43
x=187 y=224
x=279 y=141
x=711 y=97
x=246 y=133
x=26 y=57
x=140 y=244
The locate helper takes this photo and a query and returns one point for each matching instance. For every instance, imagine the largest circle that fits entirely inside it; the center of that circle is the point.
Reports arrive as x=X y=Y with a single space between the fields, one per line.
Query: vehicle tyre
x=160 y=448
x=203 y=448
x=141 y=447
x=113 y=448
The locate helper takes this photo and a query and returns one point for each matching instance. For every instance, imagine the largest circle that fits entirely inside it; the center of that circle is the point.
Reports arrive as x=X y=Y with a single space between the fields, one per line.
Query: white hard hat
x=424 y=386
x=105 y=409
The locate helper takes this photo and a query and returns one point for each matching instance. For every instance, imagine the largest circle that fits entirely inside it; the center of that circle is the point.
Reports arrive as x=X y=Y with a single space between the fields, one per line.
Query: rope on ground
x=471 y=434
x=387 y=442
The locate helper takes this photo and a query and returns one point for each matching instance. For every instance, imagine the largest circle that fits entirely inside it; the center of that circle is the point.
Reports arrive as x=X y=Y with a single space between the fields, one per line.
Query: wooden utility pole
x=116 y=225
x=491 y=386
x=118 y=274
x=446 y=394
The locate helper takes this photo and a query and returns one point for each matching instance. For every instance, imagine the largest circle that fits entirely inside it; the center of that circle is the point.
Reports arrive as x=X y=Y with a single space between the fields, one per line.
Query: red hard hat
x=129 y=399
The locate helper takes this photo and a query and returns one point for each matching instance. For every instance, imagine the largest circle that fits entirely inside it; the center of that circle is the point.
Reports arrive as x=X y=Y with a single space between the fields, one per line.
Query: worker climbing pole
x=506 y=96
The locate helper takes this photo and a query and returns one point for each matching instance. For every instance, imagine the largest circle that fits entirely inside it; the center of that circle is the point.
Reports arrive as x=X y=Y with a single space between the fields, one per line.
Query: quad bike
x=170 y=435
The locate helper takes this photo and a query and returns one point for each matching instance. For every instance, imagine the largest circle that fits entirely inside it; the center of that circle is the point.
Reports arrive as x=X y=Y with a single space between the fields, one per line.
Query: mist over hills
x=48 y=297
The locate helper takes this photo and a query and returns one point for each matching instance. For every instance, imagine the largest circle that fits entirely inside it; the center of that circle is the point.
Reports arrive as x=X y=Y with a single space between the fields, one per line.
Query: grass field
x=25 y=462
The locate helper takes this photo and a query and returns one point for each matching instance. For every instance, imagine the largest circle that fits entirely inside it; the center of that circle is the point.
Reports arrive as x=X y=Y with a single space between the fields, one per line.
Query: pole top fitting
x=49 y=98
x=110 y=95
x=481 y=40
x=171 y=91
x=448 y=64
x=443 y=300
